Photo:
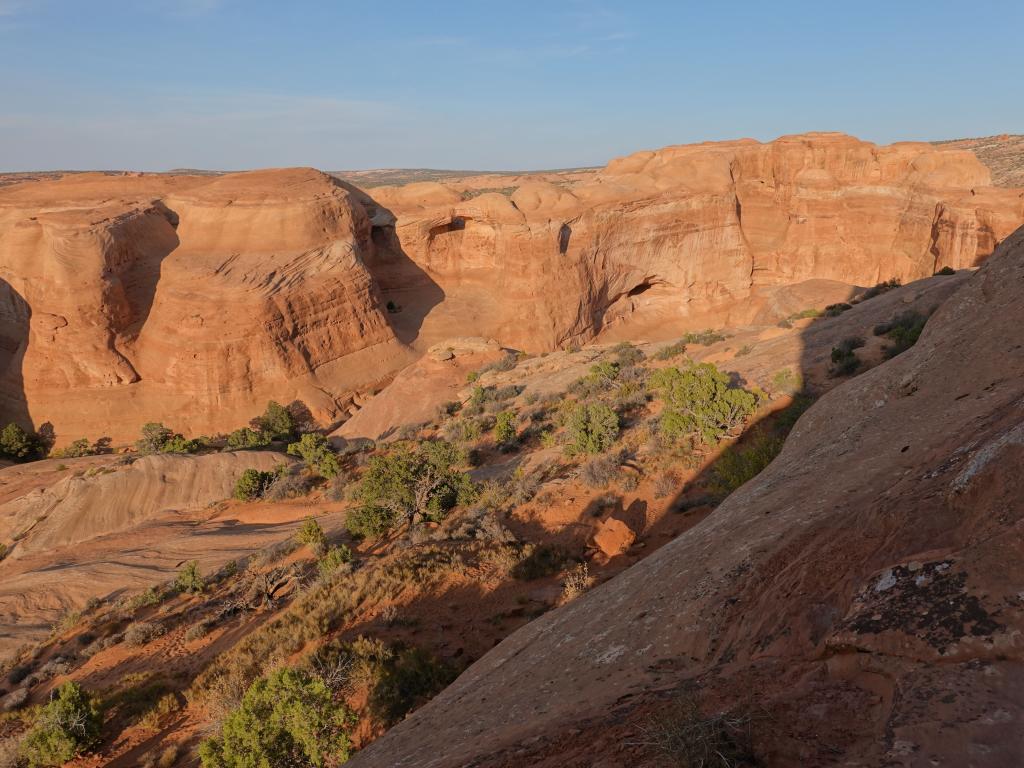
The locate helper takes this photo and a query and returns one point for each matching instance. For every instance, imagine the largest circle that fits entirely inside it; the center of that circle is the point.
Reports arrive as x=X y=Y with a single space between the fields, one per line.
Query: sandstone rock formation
x=1004 y=156
x=684 y=234
x=111 y=497
x=194 y=299
x=864 y=589
x=94 y=527
x=186 y=299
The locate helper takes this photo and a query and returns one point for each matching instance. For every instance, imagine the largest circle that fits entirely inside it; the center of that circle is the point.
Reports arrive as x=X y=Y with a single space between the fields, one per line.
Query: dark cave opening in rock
x=457 y=224
x=564 y=233
x=643 y=287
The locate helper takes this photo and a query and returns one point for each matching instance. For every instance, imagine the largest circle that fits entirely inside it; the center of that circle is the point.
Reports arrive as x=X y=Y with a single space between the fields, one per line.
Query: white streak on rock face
x=611 y=654
x=887 y=581
x=985 y=455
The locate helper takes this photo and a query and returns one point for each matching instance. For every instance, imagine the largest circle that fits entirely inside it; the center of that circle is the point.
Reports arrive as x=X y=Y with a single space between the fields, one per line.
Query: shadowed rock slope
x=864 y=590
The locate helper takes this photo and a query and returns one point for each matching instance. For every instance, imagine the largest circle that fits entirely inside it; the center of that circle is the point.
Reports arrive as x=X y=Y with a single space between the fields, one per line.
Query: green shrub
x=699 y=402
x=540 y=561
x=626 y=354
x=601 y=377
x=835 y=310
x=946 y=271
x=157 y=438
x=19 y=445
x=671 y=352
x=311 y=535
x=880 y=288
x=244 y=438
x=844 y=358
x=371 y=522
x=480 y=395
x=333 y=559
x=75 y=450
x=287 y=718
x=505 y=428
x=253 y=484
x=413 y=678
x=903 y=330
x=592 y=428
x=631 y=395
x=189 y=578
x=68 y=725
x=151 y=596
x=703 y=338
x=411 y=480
x=315 y=450
x=277 y=422
x=740 y=463
x=181 y=444
x=154 y=436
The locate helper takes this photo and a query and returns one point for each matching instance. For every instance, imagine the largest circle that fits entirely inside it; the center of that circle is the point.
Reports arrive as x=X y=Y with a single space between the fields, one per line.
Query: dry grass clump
x=683 y=736
x=600 y=472
x=142 y=633
x=166 y=759
x=9 y=752
x=200 y=629
x=577 y=581
x=500 y=562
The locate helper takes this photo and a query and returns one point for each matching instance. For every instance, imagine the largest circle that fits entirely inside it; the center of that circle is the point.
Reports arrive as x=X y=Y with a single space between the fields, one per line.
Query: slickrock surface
x=864 y=590
x=92 y=528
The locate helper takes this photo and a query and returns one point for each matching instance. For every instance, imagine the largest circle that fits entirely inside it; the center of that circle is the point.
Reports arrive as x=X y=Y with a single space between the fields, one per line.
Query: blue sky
x=231 y=84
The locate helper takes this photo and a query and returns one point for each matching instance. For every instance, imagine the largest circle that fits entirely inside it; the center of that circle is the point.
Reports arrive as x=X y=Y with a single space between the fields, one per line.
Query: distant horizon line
x=481 y=172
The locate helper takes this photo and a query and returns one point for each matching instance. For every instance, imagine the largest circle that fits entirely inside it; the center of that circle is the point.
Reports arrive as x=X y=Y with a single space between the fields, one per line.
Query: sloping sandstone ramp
x=115 y=498
x=865 y=590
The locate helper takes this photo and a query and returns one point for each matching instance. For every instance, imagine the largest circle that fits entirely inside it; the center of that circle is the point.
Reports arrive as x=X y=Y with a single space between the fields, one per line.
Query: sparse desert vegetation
x=317 y=450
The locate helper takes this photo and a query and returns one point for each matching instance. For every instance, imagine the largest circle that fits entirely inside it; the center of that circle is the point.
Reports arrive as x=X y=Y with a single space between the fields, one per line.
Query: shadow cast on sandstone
x=15 y=320
x=408 y=291
x=868 y=566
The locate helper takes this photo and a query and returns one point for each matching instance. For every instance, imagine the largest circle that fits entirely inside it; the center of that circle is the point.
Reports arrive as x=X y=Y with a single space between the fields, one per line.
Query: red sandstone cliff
x=194 y=299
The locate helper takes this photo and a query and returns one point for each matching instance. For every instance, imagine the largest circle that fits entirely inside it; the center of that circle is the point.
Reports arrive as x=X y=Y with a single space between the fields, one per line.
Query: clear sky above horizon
x=231 y=84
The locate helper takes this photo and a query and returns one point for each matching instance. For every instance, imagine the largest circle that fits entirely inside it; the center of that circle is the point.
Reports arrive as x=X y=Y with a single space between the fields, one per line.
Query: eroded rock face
x=195 y=299
x=190 y=300
x=865 y=589
x=686 y=233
